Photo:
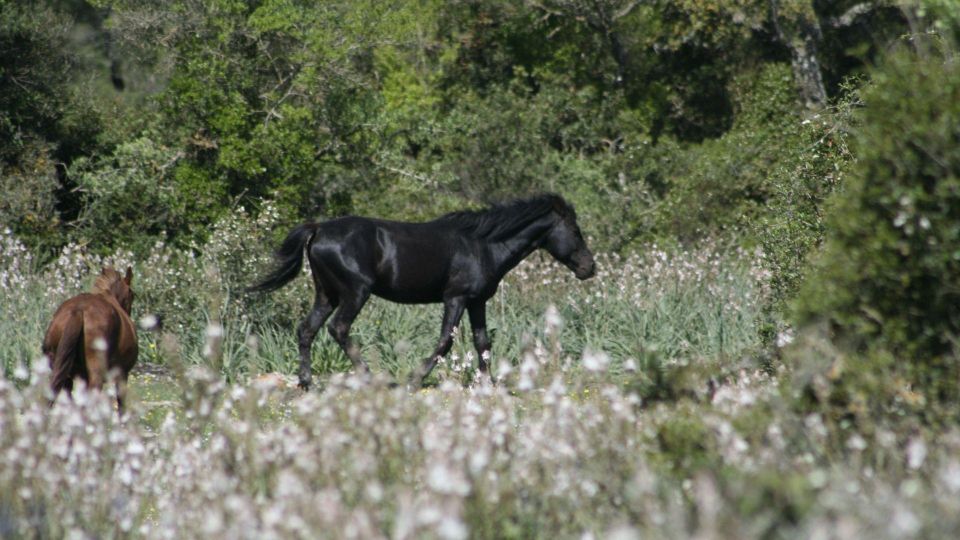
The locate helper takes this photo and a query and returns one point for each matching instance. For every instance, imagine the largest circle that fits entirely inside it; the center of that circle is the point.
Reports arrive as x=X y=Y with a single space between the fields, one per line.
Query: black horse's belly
x=409 y=296
x=411 y=267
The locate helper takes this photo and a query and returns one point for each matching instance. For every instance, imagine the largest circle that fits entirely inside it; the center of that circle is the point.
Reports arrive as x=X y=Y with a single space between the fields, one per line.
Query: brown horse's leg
x=121 y=386
x=120 y=390
x=478 y=323
x=452 y=312
x=307 y=331
x=96 y=371
x=66 y=360
x=339 y=326
x=96 y=349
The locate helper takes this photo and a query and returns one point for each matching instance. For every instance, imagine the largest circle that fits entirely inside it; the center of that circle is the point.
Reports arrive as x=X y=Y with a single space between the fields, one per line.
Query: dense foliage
x=408 y=109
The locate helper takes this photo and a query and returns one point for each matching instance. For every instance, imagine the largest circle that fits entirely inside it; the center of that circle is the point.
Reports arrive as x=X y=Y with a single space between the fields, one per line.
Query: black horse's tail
x=289 y=259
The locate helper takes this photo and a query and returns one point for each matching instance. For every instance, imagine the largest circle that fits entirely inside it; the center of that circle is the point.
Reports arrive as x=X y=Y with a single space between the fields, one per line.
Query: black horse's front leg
x=481 y=341
x=452 y=312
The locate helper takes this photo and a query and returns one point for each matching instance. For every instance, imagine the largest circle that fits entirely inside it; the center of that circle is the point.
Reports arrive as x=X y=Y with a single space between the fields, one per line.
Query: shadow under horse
x=458 y=259
x=92 y=335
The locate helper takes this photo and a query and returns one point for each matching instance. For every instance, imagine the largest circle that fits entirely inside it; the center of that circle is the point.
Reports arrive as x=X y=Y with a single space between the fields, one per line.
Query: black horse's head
x=565 y=242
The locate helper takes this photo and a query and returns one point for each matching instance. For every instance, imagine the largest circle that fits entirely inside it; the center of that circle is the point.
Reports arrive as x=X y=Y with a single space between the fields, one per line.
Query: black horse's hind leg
x=307 y=331
x=339 y=326
x=478 y=324
x=452 y=312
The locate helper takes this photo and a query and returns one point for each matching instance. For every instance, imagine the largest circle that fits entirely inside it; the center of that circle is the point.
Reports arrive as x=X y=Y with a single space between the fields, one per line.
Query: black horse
x=458 y=259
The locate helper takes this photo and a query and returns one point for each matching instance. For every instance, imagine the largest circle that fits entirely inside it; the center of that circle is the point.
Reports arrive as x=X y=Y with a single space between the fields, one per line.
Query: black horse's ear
x=129 y=277
x=560 y=205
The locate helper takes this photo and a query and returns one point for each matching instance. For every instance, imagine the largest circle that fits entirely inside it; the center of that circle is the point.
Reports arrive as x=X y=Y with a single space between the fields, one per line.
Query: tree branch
x=850 y=15
x=623 y=12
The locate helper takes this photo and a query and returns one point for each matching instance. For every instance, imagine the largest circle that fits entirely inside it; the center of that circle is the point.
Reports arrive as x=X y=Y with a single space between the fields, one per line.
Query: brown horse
x=92 y=334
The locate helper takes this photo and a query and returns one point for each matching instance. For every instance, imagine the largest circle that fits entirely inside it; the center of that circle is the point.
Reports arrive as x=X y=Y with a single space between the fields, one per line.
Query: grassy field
x=640 y=404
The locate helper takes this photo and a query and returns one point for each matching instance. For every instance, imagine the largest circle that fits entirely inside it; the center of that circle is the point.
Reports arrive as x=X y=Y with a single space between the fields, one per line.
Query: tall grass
x=651 y=308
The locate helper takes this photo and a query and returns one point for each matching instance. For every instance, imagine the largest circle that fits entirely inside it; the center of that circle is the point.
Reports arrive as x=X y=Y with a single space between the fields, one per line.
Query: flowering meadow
x=640 y=404
x=770 y=347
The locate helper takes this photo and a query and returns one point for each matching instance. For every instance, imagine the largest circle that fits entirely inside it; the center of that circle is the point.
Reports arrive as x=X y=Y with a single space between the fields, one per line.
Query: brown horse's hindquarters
x=66 y=361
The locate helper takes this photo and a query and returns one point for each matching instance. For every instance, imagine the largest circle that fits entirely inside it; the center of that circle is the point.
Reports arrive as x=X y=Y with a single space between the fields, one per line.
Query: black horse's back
x=289 y=259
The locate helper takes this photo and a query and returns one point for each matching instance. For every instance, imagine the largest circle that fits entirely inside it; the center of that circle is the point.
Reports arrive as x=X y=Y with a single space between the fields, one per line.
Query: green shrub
x=890 y=272
x=46 y=112
x=29 y=187
x=685 y=442
x=36 y=65
x=129 y=198
x=765 y=180
x=720 y=184
x=792 y=224
x=886 y=287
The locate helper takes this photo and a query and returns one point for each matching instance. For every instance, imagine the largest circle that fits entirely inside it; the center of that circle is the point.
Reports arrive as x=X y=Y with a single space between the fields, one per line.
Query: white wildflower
x=20 y=371
x=452 y=529
x=900 y=219
x=950 y=476
x=135 y=448
x=904 y=522
x=289 y=484
x=916 y=453
x=214 y=330
x=553 y=319
x=856 y=443
x=148 y=321
x=596 y=361
x=623 y=532
x=784 y=337
x=442 y=479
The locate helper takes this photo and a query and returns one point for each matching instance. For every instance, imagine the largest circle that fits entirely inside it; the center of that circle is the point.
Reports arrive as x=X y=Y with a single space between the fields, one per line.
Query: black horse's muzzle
x=585 y=268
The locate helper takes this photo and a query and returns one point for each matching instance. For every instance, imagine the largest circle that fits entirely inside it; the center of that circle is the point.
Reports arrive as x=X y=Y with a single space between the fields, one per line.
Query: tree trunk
x=806 y=67
x=800 y=32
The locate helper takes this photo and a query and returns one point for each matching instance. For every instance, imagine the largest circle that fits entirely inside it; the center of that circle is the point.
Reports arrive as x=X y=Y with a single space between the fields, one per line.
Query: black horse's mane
x=503 y=220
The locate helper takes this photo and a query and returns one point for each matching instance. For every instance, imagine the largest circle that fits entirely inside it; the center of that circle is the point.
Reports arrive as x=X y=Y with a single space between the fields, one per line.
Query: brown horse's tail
x=66 y=359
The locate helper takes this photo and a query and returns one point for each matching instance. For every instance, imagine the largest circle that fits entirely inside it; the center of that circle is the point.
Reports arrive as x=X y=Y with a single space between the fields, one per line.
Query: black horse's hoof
x=414 y=383
x=481 y=380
